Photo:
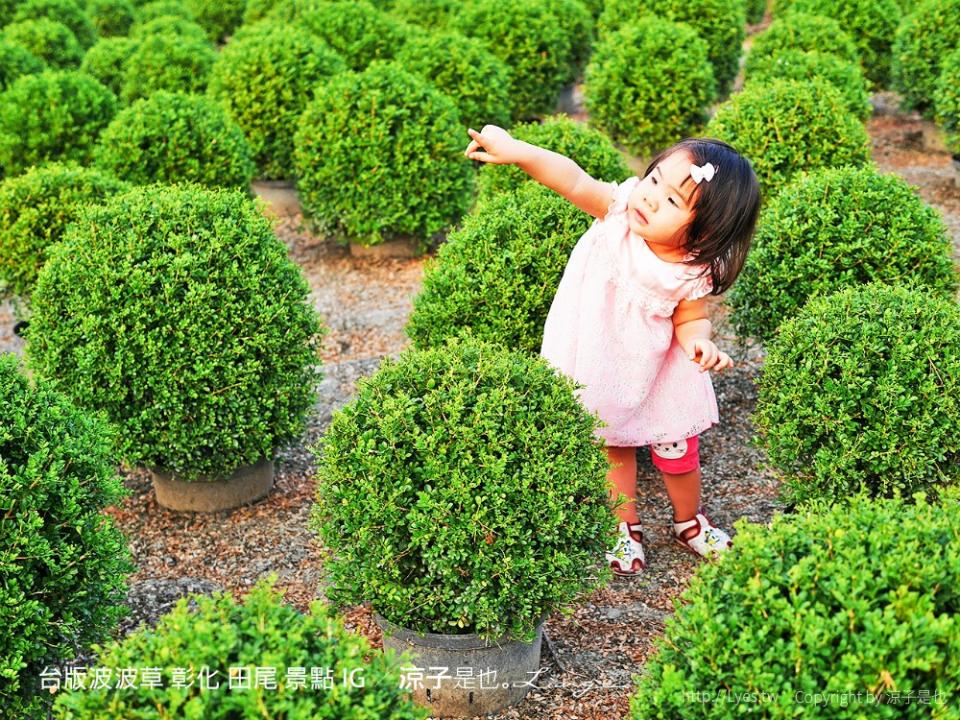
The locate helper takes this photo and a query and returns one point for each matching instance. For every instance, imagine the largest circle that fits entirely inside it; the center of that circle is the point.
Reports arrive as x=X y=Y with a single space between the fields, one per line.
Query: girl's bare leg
x=684 y=492
x=623 y=479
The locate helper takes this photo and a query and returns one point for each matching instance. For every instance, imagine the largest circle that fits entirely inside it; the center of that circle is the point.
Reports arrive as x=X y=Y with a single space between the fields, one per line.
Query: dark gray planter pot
x=493 y=675
x=248 y=484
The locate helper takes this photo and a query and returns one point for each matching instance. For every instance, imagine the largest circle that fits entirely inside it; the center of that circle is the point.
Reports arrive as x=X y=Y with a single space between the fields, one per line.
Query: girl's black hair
x=725 y=209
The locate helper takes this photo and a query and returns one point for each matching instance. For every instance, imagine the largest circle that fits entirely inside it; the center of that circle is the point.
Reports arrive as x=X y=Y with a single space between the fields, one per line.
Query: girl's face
x=661 y=205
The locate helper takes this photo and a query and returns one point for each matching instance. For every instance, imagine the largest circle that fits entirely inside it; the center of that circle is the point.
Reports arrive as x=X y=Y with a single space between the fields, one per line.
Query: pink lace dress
x=610 y=329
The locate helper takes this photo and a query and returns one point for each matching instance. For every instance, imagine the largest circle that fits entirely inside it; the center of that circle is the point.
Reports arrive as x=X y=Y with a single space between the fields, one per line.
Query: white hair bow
x=702 y=173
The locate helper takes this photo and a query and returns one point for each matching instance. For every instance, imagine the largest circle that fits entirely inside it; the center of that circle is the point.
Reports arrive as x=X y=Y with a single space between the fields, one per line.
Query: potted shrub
x=825 y=614
x=111 y=18
x=861 y=389
x=947 y=102
x=69 y=12
x=167 y=61
x=186 y=322
x=800 y=31
x=259 y=658
x=430 y=14
x=463 y=493
x=107 y=61
x=64 y=563
x=834 y=228
x=16 y=61
x=48 y=40
x=219 y=19
x=925 y=37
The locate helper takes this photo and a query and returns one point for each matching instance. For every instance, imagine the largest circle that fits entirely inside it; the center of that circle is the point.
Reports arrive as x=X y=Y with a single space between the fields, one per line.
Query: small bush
x=379 y=154
x=177 y=311
x=925 y=37
x=111 y=18
x=627 y=75
x=477 y=472
x=219 y=19
x=535 y=39
x=719 y=23
x=835 y=228
x=49 y=40
x=179 y=25
x=264 y=78
x=35 y=209
x=166 y=61
x=56 y=115
x=107 y=61
x=463 y=69
x=150 y=11
x=799 y=31
x=63 y=562
x=802 y=65
x=786 y=126
x=589 y=148
x=431 y=14
x=862 y=389
x=16 y=61
x=68 y=12
x=263 y=632
x=818 y=615
x=947 y=100
x=496 y=276
x=172 y=137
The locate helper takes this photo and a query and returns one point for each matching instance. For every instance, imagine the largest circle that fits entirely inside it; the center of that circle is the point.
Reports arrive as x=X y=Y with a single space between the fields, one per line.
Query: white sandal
x=699 y=536
x=627 y=558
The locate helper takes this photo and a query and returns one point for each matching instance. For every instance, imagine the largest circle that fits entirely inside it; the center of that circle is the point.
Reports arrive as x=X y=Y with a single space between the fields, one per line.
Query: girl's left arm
x=691 y=324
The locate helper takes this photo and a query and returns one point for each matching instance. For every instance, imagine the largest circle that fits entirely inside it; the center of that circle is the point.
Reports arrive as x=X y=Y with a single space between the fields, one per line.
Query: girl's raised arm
x=556 y=171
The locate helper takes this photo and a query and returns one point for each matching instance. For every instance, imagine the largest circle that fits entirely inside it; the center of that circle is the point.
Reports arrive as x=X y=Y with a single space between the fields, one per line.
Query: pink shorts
x=677 y=457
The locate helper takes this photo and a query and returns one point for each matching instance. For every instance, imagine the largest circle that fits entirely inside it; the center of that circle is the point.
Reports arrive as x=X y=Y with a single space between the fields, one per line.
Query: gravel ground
x=590 y=657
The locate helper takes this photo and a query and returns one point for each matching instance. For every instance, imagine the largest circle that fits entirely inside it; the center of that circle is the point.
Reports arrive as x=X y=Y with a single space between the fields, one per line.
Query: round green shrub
x=785 y=126
x=173 y=137
x=178 y=312
x=107 y=61
x=755 y=11
x=799 y=31
x=264 y=78
x=626 y=77
x=476 y=472
x=354 y=28
x=166 y=61
x=495 y=277
x=925 y=37
x=589 y=148
x=55 y=115
x=63 y=562
x=219 y=19
x=947 y=100
x=845 y=76
x=111 y=18
x=68 y=12
x=534 y=40
x=262 y=632
x=431 y=14
x=178 y=25
x=465 y=70
x=48 y=40
x=16 y=61
x=719 y=23
x=862 y=389
x=378 y=155
x=35 y=209
x=147 y=12
x=834 y=228
x=820 y=615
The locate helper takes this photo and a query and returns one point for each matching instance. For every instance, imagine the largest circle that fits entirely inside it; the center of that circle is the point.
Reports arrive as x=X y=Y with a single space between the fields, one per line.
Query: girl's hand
x=711 y=358
x=498 y=147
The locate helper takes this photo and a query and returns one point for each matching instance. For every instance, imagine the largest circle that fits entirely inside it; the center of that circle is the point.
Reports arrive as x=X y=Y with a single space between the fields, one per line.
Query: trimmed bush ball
x=56 y=115
x=431 y=14
x=799 y=31
x=835 y=613
x=845 y=76
x=862 y=389
x=35 y=209
x=947 y=100
x=69 y=12
x=533 y=38
x=64 y=562
x=107 y=61
x=219 y=19
x=379 y=155
x=179 y=25
x=163 y=8
x=785 y=126
x=720 y=23
x=589 y=148
x=263 y=632
x=177 y=311
x=925 y=37
x=49 y=40
x=16 y=61
x=463 y=69
x=264 y=78
x=173 y=137
x=165 y=61
x=834 y=228
x=476 y=470
x=111 y=18
x=496 y=275
x=626 y=77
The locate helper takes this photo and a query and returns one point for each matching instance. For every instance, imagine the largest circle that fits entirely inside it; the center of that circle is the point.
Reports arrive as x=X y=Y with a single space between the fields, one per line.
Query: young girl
x=629 y=319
